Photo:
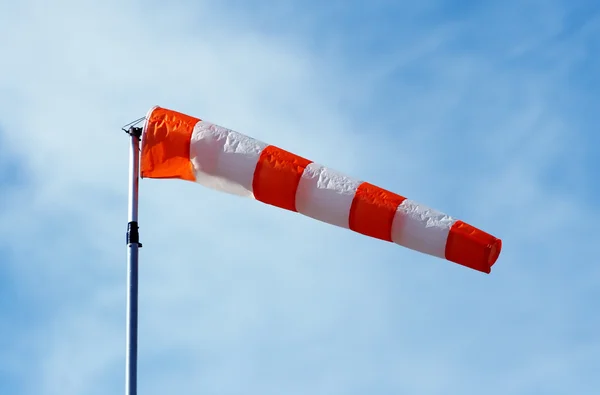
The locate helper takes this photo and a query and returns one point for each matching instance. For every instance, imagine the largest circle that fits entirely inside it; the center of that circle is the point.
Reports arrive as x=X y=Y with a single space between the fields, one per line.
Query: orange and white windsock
x=175 y=145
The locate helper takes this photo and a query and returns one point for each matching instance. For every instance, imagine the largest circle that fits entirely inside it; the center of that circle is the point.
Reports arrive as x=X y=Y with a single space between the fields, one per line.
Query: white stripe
x=326 y=195
x=421 y=228
x=223 y=159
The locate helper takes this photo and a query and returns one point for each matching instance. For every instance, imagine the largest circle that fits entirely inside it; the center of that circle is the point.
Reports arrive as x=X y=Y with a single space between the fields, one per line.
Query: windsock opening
x=166 y=145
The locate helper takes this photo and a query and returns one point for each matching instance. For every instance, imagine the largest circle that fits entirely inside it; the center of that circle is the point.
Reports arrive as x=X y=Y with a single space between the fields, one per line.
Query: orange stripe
x=276 y=177
x=166 y=145
x=373 y=210
x=471 y=247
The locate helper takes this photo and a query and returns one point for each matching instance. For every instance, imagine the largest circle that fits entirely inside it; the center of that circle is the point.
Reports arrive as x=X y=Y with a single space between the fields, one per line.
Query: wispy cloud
x=485 y=112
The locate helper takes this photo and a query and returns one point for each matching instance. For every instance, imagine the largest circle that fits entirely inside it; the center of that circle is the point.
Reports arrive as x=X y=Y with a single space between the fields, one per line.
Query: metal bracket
x=134 y=131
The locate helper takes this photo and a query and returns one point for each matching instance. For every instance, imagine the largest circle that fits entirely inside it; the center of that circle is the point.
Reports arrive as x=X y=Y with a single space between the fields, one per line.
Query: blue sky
x=484 y=110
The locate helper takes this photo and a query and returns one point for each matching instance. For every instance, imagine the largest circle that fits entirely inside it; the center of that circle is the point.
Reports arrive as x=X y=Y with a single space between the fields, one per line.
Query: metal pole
x=133 y=244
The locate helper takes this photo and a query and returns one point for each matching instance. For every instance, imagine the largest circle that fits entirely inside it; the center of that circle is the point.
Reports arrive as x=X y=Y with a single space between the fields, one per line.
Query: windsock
x=179 y=146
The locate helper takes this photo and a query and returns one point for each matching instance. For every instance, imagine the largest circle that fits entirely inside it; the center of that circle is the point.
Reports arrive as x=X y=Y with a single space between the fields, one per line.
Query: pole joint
x=133 y=234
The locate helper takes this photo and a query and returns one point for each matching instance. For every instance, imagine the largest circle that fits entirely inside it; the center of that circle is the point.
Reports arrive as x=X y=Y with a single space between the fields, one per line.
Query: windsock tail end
x=473 y=248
